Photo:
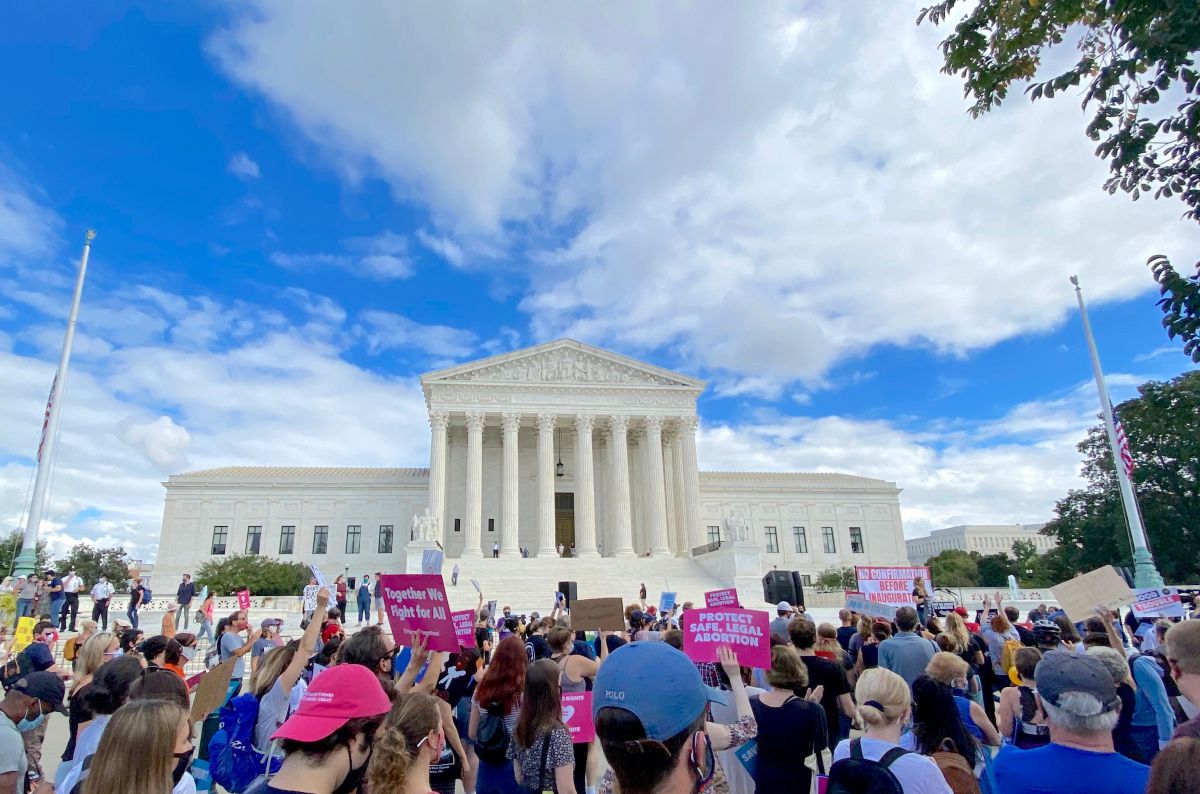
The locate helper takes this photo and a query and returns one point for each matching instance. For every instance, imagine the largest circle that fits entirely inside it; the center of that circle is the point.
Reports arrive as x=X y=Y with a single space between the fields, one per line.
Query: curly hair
x=413 y=717
x=505 y=677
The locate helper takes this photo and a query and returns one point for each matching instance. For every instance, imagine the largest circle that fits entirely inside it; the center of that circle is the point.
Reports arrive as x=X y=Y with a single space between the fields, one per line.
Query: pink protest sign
x=464 y=627
x=417 y=602
x=577 y=716
x=745 y=630
x=243 y=597
x=722 y=598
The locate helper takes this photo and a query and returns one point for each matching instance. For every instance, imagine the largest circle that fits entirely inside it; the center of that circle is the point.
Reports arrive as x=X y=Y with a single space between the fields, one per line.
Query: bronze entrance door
x=564 y=521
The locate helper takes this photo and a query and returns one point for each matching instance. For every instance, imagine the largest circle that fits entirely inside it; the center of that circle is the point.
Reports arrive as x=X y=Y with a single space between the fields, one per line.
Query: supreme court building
x=559 y=444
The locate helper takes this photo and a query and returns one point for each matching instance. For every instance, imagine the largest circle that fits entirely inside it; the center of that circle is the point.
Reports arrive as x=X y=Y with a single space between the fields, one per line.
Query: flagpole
x=1144 y=572
x=26 y=561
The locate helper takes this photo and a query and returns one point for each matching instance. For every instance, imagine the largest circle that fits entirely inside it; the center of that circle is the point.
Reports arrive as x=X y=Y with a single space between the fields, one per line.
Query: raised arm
x=308 y=644
x=724 y=736
x=415 y=662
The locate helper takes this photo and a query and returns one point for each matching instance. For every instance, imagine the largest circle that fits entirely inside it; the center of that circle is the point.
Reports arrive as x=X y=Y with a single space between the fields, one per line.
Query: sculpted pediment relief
x=568 y=365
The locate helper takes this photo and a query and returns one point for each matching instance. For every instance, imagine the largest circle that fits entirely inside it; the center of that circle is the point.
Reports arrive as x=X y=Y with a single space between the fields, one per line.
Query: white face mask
x=189 y=653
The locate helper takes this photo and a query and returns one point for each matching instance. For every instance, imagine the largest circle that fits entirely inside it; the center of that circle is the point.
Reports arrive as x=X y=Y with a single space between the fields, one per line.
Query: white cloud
x=27 y=228
x=241 y=166
x=723 y=191
x=388 y=331
x=383 y=257
x=444 y=247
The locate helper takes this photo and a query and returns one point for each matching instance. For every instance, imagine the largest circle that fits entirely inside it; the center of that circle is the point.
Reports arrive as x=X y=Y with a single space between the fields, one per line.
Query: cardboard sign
x=417 y=602
x=24 y=634
x=577 y=716
x=605 y=614
x=1102 y=587
x=722 y=598
x=192 y=680
x=666 y=602
x=212 y=690
x=1157 y=602
x=243 y=597
x=863 y=606
x=890 y=584
x=320 y=577
x=464 y=627
x=431 y=561
x=746 y=631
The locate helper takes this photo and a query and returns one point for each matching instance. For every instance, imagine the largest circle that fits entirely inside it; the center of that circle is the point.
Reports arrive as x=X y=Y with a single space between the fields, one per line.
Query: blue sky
x=300 y=208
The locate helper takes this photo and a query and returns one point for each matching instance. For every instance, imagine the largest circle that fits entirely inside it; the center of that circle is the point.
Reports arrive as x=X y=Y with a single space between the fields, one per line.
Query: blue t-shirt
x=1055 y=769
x=39 y=656
x=57 y=595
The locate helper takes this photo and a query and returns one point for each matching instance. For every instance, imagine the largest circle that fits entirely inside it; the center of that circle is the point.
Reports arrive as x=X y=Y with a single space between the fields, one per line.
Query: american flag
x=1123 y=447
x=46 y=419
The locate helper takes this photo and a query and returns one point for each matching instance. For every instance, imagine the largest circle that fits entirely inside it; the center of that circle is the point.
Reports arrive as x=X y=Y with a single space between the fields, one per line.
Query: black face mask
x=354 y=778
x=182 y=761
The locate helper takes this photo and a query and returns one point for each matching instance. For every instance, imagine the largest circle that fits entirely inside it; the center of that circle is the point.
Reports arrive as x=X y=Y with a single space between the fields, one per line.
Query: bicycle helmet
x=1047 y=633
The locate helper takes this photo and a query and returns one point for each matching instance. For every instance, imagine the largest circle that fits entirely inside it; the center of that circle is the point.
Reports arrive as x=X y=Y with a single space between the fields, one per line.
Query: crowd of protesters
x=915 y=703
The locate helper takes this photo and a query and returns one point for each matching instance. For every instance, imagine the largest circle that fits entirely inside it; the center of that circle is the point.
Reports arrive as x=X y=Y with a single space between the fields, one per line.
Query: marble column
x=511 y=427
x=474 y=501
x=637 y=488
x=619 y=454
x=669 y=475
x=438 y=422
x=603 y=468
x=656 y=488
x=683 y=540
x=545 y=481
x=585 y=488
x=690 y=477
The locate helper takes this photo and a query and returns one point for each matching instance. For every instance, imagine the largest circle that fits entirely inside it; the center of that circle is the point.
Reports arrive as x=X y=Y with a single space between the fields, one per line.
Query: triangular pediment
x=562 y=362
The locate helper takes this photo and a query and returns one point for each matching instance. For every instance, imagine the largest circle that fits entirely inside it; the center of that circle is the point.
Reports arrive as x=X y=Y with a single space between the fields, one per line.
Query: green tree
x=260 y=575
x=1029 y=567
x=1180 y=304
x=1132 y=54
x=835 y=578
x=10 y=547
x=953 y=568
x=994 y=569
x=91 y=563
x=1163 y=427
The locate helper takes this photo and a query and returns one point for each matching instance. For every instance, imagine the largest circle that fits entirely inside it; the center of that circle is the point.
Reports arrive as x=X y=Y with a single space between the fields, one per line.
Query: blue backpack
x=233 y=762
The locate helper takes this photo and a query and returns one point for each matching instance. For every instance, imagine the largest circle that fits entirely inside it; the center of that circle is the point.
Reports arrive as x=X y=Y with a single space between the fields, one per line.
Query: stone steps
x=529 y=584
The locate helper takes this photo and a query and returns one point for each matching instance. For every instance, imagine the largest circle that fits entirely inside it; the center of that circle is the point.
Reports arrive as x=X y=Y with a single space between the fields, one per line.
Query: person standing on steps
x=378 y=599
x=183 y=596
x=137 y=594
x=102 y=593
x=495 y=550
x=454 y=576
x=71 y=586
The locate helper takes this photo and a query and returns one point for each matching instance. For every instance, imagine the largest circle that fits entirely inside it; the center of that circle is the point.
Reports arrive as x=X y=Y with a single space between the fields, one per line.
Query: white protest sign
x=431 y=561
x=890 y=584
x=320 y=577
x=475 y=584
x=864 y=606
x=1102 y=587
x=1157 y=602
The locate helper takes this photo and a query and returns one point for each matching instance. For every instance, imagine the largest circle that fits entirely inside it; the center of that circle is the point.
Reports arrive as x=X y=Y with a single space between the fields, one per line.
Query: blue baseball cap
x=657 y=684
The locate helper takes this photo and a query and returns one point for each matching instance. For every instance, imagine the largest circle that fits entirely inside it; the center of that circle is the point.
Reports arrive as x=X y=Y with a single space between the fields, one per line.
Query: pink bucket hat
x=336 y=696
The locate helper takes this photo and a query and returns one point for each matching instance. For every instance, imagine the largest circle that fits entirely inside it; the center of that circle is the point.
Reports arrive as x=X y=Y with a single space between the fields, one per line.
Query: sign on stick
x=431 y=561
x=666 y=602
x=1102 y=587
x=320 y=577
x=746 y=631
x=417 y=603
x=721 y=598
x=464 y=627
x=890 y=584
x=605 y=614
x=577 y=716
x=860 y=604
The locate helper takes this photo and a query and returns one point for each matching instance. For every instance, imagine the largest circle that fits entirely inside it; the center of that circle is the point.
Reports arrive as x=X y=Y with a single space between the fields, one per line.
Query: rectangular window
x=220 y=535
x=827 y=537
x=287 y=539
x=856 y=541
x=491 y=525
x=800 y=538
x=458 y=525
x=806 y=580
x=714 y=534
x=772 y=539
x=320 y=540
x=253 y=539
x=385 y=538
x=353 y=539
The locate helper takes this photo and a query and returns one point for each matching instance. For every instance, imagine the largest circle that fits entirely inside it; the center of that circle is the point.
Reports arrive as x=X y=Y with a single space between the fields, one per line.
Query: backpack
x=233 y=761
x=146 y=596
x=859 y=775
x=16 y=667
x=959 y=775
x=492 y=744
x=1026 y=735
x=1008 y=657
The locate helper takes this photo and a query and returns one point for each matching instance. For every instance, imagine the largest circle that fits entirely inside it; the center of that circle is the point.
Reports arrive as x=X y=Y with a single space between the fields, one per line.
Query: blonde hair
x=866 y=626
x=1183 y=646
x=413 y=717
x=956 y=630
x=882 y=696
x=137 y=749
x=91 y=656
x=827 y=642
x=947 y=668
x=787 y=671
x=270 y=666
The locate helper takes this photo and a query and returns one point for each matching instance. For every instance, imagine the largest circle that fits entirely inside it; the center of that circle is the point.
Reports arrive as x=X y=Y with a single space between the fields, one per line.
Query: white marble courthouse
x=562 y=443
